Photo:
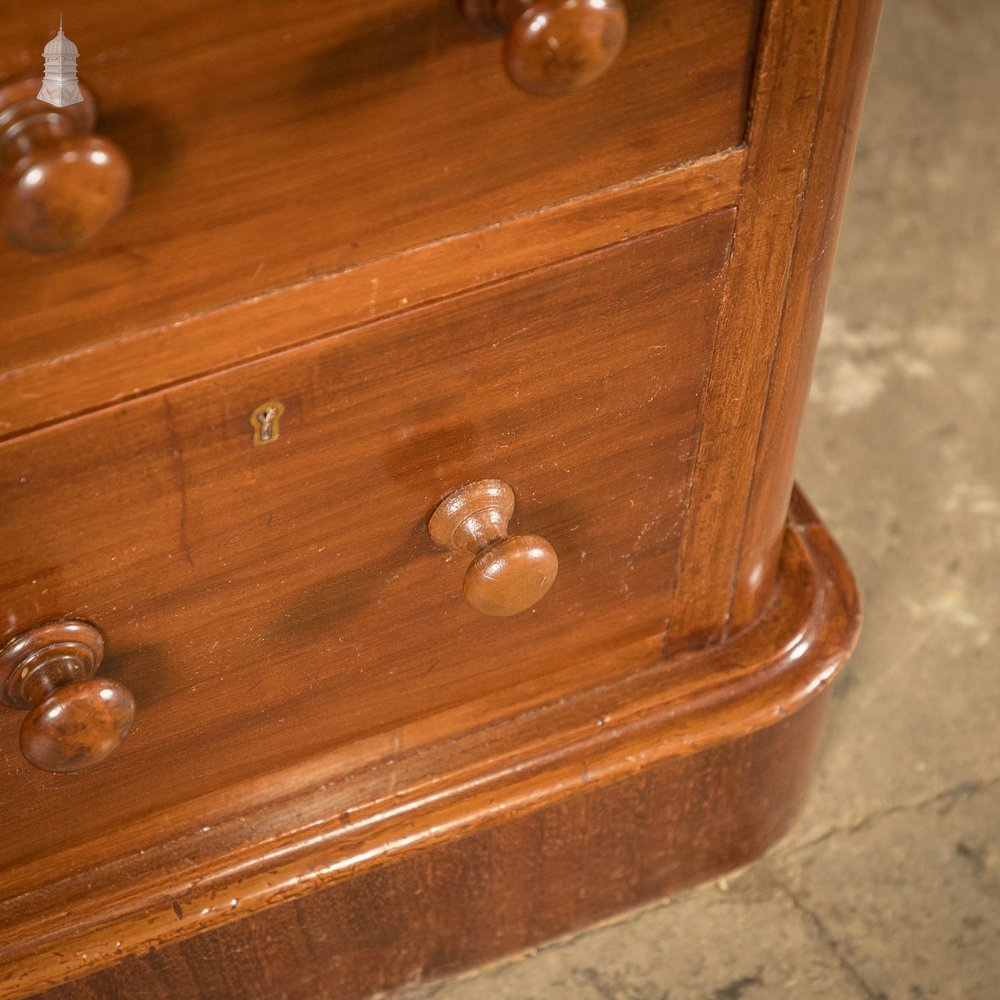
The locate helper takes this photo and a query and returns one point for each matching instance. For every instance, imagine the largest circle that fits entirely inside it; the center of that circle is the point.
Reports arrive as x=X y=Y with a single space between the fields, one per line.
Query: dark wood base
x=635 y=787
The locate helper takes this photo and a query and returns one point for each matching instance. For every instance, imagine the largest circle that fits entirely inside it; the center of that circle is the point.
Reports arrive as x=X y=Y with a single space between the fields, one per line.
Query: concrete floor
x=889 y=885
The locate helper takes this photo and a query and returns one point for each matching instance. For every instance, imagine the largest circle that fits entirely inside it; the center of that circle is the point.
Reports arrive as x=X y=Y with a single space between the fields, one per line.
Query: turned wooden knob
x=509 y=573
x=75 y=719
x=553 y=46
x=59 y=184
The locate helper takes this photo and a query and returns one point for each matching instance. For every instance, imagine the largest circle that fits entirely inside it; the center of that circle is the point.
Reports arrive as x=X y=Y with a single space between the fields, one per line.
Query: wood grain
x=361 y=269
x=115 y=370
x=790 y=89
x=508 y=573
x=59 y=185
x=265 y=601
x=343 y=818
x=550 y=46
x=498 y=891
x=73 y=720
x=833 y=153
x=341 y=141
x=78 y=725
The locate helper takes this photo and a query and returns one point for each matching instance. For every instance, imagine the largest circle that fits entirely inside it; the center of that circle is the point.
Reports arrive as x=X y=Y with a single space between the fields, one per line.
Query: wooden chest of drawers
x=359 y=268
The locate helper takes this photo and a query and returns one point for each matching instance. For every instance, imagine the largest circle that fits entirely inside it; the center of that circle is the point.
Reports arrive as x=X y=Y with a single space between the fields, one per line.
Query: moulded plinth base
x=631 y=790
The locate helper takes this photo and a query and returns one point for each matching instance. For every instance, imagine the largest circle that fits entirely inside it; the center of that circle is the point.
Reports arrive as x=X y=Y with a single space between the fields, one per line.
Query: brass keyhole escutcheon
x=264 y=422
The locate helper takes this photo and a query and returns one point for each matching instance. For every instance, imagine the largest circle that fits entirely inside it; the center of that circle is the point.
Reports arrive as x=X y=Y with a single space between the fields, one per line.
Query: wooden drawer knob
x=553 y=46
x=59 y=184
x=74 y=720
x=509 y=573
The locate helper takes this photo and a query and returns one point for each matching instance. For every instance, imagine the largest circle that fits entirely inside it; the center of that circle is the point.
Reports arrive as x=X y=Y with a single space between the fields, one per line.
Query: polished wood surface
x=508 y=574
x=115 y=370
x=59 y=185
x=40 y=658
x=359 y=270
x=341 y=141
x=78 y=725
x=498 y=891
x=794 y=176
x=730 y=729
x=74 y=721
x=553 y=46
x=248 y=589
x=819 y=222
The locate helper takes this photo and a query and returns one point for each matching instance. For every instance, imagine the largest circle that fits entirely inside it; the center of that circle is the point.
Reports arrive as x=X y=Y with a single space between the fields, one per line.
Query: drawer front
x=266 y=600
x=274 y=143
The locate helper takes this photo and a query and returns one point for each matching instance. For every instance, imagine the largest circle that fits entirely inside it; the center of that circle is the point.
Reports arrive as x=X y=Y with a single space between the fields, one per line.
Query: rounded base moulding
x=468 y=840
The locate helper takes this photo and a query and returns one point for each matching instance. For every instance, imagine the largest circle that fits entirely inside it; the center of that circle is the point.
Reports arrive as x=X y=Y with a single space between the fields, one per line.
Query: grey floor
x=889 y=885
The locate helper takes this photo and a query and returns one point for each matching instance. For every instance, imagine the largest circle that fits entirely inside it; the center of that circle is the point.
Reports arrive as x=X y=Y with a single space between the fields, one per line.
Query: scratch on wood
x=180 y=479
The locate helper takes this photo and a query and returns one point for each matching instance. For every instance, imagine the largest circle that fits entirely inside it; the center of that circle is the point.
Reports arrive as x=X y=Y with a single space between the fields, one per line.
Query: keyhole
x=267 y=423
x=264 y=421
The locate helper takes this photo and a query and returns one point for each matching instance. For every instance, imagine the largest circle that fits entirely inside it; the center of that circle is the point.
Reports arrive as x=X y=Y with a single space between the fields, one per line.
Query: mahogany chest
x=400 y=558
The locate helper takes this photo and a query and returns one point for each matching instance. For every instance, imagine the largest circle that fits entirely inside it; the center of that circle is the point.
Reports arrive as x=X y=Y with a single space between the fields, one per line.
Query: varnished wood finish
x=507 y=575
x=791 y=169
x=242 y=586
x=59 y=185
x=39 y=659
x=502 y=889
x=818 y=225
x=78 y=725
x=74 y=721
x=343 y=140
x=82 y=381
x=553 y=46
x=729 y=731
x=359 y=270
